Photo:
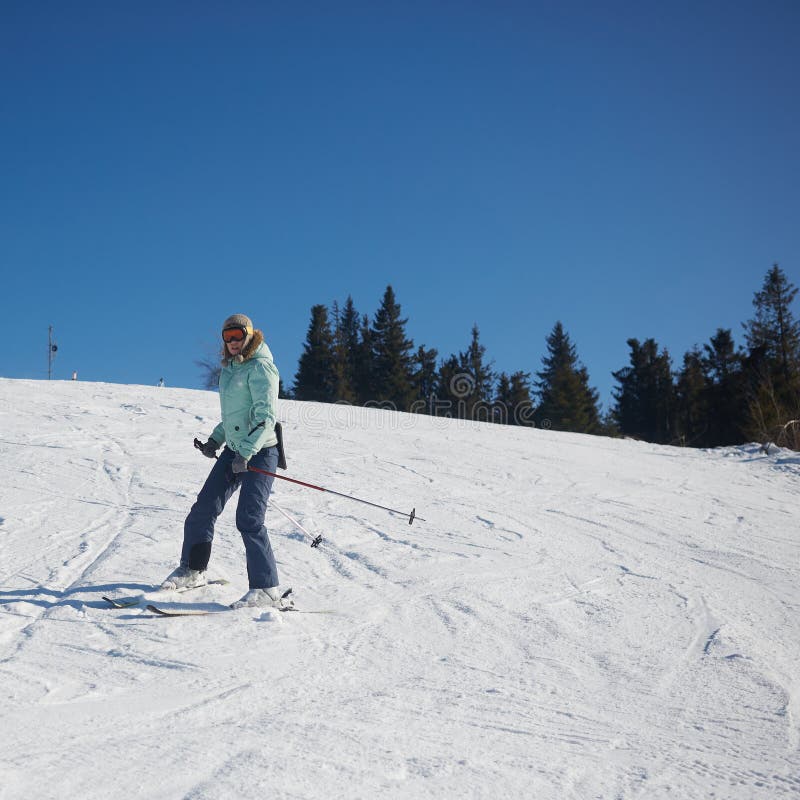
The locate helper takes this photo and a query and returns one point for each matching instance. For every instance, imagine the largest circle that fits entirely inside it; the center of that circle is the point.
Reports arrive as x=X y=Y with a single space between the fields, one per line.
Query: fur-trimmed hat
x=239 y=321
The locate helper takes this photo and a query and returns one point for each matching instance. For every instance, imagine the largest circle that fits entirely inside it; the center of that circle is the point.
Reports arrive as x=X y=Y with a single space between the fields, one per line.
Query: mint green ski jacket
x=248 y=398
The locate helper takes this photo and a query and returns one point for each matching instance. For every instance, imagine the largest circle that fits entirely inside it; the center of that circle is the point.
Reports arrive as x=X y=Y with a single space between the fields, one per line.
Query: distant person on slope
x=248 y=394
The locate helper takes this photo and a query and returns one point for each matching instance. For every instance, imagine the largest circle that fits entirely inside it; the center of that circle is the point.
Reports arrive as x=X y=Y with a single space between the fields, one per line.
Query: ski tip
x=125 y=602
x=160 y=612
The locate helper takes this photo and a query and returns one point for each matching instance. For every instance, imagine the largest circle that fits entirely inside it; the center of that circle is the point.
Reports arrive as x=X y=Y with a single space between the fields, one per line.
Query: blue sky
x=629 y=168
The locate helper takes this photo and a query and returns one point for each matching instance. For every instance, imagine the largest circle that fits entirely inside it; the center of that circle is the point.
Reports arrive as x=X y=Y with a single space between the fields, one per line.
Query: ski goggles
x=234 y=335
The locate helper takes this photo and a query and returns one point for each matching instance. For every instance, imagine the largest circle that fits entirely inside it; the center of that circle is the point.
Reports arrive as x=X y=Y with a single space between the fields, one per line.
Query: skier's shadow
x=50 y=598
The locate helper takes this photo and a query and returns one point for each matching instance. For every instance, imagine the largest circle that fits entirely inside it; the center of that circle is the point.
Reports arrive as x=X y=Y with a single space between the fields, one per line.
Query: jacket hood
x=250 y=350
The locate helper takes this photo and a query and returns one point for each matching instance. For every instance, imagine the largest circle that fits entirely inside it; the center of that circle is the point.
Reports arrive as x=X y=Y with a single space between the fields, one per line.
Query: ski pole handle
x=199 y=445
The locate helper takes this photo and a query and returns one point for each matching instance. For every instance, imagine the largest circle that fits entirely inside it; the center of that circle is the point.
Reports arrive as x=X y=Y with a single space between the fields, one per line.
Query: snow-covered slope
x=577 y=617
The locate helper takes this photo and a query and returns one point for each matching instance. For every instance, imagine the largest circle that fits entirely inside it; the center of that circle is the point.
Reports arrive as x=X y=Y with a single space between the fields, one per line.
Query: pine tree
x=345 y=339
x=774 y=330
x=477 y=380
x=513 y=399
x=692 y=391
x=363 y=363
x=350 y=334
x=316 y=375
x=645 y=403
x=773 y=360
x=725 y=386
x=566 y=400
x=425 y=380
x=391 y=351
x=503 y=411
x=449 y=396
x=710 y=394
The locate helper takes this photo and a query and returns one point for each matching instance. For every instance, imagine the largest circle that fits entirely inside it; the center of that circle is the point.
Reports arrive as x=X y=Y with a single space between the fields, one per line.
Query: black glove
x=239 y=464
x=209 y=449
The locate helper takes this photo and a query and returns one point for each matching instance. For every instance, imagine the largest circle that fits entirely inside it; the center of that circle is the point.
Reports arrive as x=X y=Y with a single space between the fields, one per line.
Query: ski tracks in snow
x=577 y=618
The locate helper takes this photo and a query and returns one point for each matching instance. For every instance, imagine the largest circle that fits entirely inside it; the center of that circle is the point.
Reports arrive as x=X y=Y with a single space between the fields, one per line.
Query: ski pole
x=315 y=541
x=411 y=517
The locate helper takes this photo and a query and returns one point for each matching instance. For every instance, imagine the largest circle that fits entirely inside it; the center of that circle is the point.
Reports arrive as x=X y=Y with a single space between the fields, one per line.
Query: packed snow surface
x=576 y=617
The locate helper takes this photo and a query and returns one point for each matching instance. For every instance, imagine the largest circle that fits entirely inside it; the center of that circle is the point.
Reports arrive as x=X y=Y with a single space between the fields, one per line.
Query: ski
x=131 y=602
x=214 y=582
x=122 y=602
x=182 y=612
x=204 y=612
x=286 y=605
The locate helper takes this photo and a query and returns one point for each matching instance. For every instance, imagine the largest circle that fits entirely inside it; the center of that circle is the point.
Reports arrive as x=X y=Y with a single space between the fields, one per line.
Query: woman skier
x=248 y=394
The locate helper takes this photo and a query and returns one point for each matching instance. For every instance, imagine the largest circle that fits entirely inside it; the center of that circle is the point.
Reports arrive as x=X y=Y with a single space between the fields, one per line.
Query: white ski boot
x=262 y=598
x=184 y=578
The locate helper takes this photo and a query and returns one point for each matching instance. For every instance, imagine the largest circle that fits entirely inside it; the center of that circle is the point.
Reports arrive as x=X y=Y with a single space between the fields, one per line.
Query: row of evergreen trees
x=349 y=359
x=720 y=394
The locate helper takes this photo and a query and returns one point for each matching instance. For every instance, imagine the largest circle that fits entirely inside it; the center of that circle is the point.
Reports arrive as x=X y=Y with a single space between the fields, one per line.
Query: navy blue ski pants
x=198 y=530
